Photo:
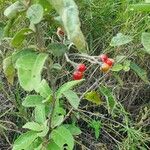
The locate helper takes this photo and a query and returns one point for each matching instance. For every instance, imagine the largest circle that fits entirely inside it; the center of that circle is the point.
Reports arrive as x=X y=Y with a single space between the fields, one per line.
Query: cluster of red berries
x=79 y=72
x=107 y=62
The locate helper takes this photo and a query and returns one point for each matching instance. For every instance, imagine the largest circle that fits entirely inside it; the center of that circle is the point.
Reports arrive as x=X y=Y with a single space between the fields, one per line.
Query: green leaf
x=60 y=111
x=19 y=53
x=126 y=65
x=73 y=129
x=9 y=69
x=20 y=37
x=57 y=49
x=27 y=61
x=14 y=9
x=93 y=97
x=57 y=120
x=62 y=136
x=45 y=130
x=37 y=142
x=33 y=126
x=117 y=67
x=96 y=125
x=53 y=146
x=35 y=13
x=120 y=39
x=24 y=140
x=146 y=41
x=39 y=147
x=58 y=116
x=111 y=101
x=73 y=98
x=144 y=7
x=44 y=89
x=29 y=70
x=140 y=72
x=40 y=114
x=67 y=86
x=32 y=101
x=69 y=13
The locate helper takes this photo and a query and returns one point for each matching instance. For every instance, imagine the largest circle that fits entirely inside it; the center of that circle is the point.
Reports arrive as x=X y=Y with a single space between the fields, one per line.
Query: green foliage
x=29 y=70
x=125 y=66
x=96 y=125
x=44 y=89
x=67 y=86
x=33 y=126
x=73 y=129
x=73 y=98
x=20 y=37
x=68 y=11
x=93 y=97
x=40 y=113
x=120 y=39
x=57 y=120
x=9 y=69
x=44 y=131
x=32 y=101
x=14 y=9
x=110 y=99
x=53 y=146
x=57 y=49
x=19 y=53
x=35 y=13
x=25 y=140
x=117 y=67
x=62 y=136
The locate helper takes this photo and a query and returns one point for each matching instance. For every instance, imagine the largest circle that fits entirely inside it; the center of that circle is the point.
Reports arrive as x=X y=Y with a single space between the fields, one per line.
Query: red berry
x=77 y=75
x=60 y=31
x=81 y=67
x=103 y=57
x=109 y=61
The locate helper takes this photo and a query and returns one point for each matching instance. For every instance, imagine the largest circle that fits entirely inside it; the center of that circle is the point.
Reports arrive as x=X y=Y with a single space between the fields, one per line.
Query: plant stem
x=52 y=108
x=69 y=61
x=39 y=38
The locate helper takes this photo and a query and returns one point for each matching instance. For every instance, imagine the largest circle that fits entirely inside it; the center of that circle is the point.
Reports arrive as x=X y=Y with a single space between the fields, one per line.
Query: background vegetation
x=127 y=127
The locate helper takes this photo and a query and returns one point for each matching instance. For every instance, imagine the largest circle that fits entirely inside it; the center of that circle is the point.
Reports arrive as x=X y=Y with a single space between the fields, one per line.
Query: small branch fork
x=91 y=59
